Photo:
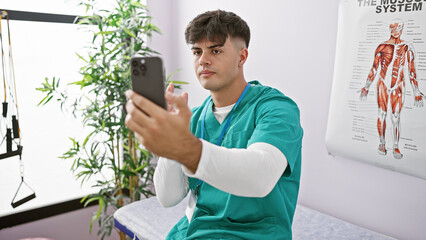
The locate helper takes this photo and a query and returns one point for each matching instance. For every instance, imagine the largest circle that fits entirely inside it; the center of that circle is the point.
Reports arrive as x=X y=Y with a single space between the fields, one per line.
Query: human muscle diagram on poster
x=377 y=105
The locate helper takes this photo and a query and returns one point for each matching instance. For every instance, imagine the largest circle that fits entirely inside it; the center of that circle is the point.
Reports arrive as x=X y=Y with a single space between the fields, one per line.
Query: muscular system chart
x=377 y=113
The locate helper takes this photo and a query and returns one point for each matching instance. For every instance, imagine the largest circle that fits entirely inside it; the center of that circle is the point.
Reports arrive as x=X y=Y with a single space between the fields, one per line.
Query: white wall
x=292 y=49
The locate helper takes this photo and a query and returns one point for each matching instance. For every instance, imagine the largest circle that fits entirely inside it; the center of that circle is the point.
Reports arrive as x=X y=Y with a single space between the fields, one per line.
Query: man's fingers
x=136 y=115
x=171 y=88
x=179 y=102
x=143 y=103
x=133 y=125
x=185 y=96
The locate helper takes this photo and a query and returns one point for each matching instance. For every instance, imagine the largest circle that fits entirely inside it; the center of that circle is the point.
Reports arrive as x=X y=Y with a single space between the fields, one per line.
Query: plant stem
x=118 y=181
x=135 y=178
x=119 y=186
x=130 y=168
x=122 y=235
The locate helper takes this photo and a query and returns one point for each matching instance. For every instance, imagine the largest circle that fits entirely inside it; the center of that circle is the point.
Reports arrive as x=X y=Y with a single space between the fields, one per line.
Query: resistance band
x=15 y=124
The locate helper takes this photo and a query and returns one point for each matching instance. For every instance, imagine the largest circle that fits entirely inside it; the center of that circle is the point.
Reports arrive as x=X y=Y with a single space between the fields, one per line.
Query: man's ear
x=243 y=54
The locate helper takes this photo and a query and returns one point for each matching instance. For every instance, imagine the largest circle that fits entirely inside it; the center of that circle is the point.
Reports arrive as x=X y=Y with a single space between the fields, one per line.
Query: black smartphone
x=147 y=76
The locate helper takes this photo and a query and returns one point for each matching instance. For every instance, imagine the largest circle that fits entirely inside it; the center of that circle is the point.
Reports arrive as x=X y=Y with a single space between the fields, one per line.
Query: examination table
x=148 y=220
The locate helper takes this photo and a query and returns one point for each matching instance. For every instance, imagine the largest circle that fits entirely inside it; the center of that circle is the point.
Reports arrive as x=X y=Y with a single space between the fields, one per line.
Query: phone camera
x=143 y=69
x=135 y=72
x=134 y=63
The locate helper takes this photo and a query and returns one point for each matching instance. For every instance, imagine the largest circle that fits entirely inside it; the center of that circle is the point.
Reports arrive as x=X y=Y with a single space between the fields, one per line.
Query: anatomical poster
x=377 y=106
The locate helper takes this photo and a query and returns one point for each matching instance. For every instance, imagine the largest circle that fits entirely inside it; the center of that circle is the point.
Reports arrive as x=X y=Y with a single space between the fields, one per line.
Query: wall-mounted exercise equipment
x=9 y=124
x=10 y=133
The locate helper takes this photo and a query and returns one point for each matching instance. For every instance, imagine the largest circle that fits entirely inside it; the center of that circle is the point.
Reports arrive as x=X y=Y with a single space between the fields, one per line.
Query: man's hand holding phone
x=164 y=132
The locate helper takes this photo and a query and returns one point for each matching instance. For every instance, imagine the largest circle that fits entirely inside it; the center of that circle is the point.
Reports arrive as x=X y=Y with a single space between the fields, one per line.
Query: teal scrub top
x=264 y=115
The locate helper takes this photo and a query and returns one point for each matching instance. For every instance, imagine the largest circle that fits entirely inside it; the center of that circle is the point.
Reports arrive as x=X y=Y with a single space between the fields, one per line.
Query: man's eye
x=197 y=53
x=216 y=51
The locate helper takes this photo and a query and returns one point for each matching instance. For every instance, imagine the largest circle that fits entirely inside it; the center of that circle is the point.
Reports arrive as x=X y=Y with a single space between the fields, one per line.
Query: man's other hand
x=171 y=89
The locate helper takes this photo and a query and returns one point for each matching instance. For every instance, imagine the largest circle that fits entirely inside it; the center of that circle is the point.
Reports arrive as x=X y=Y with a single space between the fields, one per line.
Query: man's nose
x=204 y=59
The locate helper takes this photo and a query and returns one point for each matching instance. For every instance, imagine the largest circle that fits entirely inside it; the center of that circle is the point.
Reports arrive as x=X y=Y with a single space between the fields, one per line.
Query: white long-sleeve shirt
x=251 y=172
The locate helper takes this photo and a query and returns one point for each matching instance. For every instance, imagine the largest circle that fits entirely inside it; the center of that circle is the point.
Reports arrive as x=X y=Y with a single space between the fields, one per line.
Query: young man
x=238 y=154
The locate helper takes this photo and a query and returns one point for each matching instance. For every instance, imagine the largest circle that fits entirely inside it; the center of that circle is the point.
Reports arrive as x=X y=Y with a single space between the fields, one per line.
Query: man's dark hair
x=216 y=26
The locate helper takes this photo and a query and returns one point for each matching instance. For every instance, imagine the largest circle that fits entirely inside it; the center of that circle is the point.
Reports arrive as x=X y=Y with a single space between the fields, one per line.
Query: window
x=42 y=50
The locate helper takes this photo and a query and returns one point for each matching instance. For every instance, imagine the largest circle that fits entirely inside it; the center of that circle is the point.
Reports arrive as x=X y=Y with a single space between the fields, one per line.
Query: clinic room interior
x=87 y=149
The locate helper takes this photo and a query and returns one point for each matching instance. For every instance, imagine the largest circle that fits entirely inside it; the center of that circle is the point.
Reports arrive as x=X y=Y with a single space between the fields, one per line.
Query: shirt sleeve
x=278 y=123
x=171 y=185
x=251 y=172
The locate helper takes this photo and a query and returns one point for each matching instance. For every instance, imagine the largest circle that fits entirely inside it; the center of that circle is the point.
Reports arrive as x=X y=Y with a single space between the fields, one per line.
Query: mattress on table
x=309 y=224
x=148 y=220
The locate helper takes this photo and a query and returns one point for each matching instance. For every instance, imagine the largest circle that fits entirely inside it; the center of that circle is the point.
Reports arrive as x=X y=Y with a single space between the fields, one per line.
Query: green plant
x=110 y=150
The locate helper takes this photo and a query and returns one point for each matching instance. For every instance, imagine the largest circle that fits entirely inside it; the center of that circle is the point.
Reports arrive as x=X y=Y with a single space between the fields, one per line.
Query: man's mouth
x=206 y=73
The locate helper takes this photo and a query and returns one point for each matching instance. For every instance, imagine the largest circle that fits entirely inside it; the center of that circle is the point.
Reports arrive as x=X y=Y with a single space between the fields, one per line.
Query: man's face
x=217 y=65
x=396 y=29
